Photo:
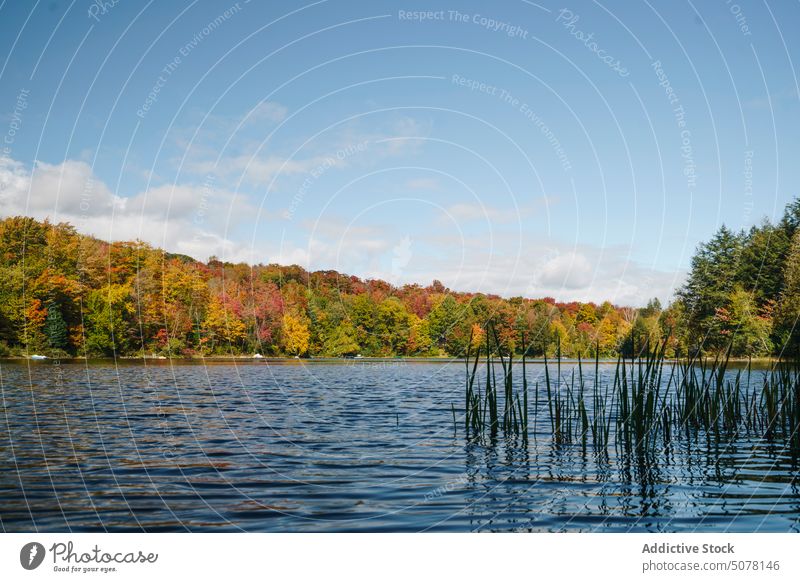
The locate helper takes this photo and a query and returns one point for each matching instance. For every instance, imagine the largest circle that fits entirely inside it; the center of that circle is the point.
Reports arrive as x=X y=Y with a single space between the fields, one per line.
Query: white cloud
x=423 y=184
x=67 y=189
x=504 y=264
x=567 y=271
x=268 y=110
x=773 y=99
x=474 y=211
x=256 y=170
x=201 y=220
x=187 y=218
x=229 y=147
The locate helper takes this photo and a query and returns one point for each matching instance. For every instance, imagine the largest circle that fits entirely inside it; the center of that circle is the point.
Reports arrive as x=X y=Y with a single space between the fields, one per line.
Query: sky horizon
x=577 y=151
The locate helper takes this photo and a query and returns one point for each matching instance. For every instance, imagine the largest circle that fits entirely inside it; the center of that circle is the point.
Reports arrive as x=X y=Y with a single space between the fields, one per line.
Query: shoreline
x=283 y=360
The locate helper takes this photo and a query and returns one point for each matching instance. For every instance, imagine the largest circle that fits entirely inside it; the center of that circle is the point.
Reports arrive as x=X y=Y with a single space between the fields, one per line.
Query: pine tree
x=55 y=328
x=791 y=218
x=763 y=255
x=709 y=285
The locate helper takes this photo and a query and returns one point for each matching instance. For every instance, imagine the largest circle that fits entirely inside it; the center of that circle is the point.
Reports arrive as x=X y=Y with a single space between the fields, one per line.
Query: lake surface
x=359 y=446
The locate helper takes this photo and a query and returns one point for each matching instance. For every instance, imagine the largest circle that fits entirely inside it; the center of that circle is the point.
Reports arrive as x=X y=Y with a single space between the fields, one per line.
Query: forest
x=64 y=294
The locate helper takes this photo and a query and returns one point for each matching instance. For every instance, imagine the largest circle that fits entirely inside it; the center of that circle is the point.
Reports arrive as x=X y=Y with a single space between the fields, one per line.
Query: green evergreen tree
x=55 y=328
x=764 y=251
x=791 y=218
x=711 y=279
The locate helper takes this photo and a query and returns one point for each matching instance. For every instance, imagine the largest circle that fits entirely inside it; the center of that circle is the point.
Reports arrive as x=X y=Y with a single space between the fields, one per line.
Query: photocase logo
x=31 y=555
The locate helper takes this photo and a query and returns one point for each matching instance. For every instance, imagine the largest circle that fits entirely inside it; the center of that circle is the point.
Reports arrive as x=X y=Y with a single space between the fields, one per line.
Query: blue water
x=361 y=446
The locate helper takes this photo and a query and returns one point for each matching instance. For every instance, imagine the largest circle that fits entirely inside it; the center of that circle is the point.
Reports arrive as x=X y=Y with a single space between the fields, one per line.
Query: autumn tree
x=787 y=319
x=295 y=334
x=222 y=328
x=60 y=290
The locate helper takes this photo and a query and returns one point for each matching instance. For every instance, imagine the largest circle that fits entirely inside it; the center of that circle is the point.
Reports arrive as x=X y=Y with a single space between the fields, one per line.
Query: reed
x=477 y=406
x=648 y=401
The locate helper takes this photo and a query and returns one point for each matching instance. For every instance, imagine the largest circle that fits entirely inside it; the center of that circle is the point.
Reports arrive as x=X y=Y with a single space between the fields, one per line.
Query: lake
x=351 y=446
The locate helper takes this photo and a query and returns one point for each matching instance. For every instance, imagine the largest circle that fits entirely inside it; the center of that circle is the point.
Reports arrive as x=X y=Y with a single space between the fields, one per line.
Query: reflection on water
x=322 y=447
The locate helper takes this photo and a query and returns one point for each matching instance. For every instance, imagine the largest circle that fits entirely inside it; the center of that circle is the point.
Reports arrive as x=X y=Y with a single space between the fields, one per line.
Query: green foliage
x=749 y=330
x=341 y=341
x=109 y=314
x=764 y=252
x=443 y=319
x=55 y=328
x=708 y=286
x=742 y=292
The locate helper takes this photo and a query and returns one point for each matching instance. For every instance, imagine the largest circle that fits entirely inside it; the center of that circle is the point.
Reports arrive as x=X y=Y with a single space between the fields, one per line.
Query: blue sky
x=577 y=150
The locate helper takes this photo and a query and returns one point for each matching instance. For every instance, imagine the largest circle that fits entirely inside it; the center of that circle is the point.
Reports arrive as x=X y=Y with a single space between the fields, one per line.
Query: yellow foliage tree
x=478 y=336
x=296 y=334
x=221 y=325
x=607 y=335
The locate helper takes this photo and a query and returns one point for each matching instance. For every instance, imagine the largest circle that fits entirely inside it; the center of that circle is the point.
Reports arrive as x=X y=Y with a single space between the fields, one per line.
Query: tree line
x=743 y=291
x=66 y=294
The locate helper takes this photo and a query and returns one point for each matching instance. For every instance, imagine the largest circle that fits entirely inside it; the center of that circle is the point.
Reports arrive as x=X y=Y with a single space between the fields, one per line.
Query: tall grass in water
x=482 y=411
x=648 y=402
